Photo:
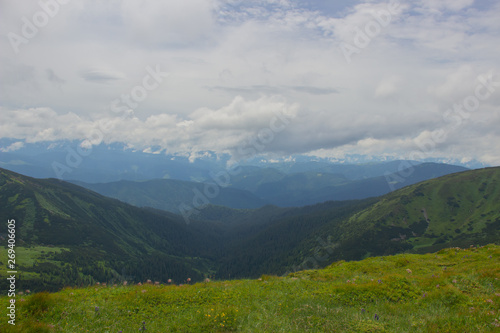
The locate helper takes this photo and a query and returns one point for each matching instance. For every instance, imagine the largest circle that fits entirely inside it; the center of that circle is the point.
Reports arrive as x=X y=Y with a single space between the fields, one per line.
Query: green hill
x=67 y=235
x=458 y=209
x=455 y=210
x=453 y=290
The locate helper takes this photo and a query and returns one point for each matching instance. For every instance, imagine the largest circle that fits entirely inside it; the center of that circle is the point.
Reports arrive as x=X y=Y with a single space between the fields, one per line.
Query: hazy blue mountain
x=309 y=188
x=169 y=194
x=108 y=163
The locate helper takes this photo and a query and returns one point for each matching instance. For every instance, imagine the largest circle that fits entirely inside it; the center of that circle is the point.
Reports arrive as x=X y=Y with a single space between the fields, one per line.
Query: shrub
x=39 y=303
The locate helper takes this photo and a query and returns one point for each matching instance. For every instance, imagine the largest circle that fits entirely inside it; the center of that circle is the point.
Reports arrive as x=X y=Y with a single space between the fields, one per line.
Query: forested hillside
x=68 y=235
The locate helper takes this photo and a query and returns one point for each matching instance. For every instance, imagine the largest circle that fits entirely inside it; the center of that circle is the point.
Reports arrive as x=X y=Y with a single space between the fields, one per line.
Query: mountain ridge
x=97 y=238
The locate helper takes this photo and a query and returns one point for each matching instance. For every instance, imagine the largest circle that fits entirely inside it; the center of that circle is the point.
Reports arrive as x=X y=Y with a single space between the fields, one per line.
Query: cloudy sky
x=408 y=79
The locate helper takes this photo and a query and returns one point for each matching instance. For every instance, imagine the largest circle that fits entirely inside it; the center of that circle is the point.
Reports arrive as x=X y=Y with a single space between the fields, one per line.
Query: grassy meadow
x=453 y=290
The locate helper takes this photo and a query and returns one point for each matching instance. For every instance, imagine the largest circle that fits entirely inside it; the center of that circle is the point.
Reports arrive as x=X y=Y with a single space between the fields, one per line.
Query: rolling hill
x=458 y=209
x=254 y=187
x=70 y=235
x=169 y=194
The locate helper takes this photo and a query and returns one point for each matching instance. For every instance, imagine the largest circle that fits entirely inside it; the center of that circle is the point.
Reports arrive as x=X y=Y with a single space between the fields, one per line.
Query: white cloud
x=388 y=86
x=13 y=147
x=233 y=64
x=452 y=5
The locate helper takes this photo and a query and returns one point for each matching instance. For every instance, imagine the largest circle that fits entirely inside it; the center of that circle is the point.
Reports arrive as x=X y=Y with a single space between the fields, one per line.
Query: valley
x=93 y=238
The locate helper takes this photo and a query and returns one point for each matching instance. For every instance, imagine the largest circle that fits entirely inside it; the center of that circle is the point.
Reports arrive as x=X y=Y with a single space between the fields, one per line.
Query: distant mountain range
x=69 y=235
x=307 y=188
x=254 y=187
x=65 y=160
x=169 y=194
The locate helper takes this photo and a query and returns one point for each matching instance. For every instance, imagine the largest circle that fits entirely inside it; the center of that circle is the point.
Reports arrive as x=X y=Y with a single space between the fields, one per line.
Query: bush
x=39 y=303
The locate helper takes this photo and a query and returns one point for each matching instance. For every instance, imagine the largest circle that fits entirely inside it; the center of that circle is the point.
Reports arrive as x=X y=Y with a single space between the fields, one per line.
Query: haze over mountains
x=255 y=187
x=167 y=182
x=114 y=162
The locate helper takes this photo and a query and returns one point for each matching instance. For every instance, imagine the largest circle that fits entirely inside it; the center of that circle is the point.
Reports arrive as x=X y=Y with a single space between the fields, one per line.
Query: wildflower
x=124 y=283
x=379 y=281
x=157 y=283
x=207 y=280
x=376 y=317
x=27 y=291
x=408 y=271
x=188 y=280
x=143 y=291
x=489 y=301
x=454 y=281
x=169 y=280
x=139 y=284
x=148 y=281
x=437 y=285
x=424 y=295
x=363 y=310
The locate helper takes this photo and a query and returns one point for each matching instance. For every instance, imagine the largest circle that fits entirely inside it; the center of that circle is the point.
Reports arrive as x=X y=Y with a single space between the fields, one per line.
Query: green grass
x=453 y=290
x=27 y=256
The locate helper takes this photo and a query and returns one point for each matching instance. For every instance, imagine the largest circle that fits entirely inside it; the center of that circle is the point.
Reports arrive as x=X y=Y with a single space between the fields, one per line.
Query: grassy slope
x=95 y=229
x=453 y=208
x=462 y=209
x=454 y=290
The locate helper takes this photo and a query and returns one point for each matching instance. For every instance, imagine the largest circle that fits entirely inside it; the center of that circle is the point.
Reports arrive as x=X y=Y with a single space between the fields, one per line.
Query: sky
x=397 y=79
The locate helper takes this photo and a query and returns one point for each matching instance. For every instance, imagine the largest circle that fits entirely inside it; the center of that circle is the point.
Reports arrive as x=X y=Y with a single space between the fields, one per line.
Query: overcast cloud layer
x=408 y=79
